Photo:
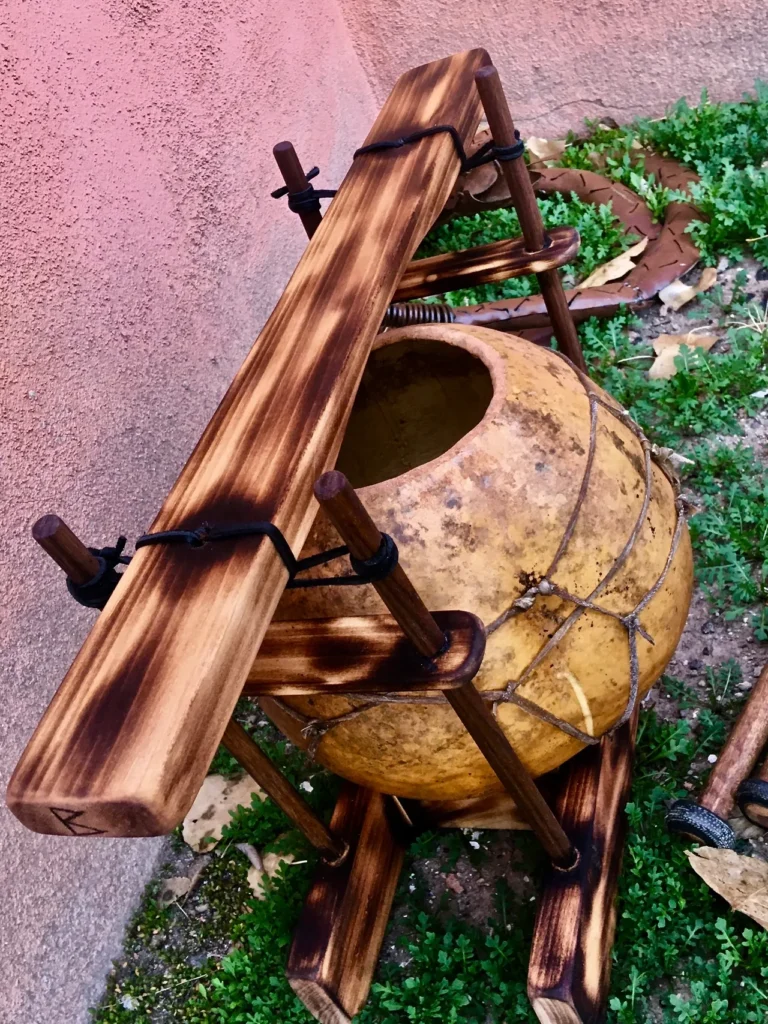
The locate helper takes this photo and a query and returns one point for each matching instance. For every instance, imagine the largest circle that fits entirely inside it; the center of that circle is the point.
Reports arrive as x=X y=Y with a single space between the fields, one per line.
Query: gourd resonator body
x=470 y=448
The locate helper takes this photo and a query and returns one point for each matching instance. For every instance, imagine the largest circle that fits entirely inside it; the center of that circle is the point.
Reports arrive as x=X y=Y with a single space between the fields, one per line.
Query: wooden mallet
x=705 y=818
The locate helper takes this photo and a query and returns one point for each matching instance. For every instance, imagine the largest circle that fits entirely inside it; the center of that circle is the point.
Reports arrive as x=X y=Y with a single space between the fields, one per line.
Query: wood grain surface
x=570 y=964
x=362 y=654
x=337 y=941
x=129 y=735
x=484 y=264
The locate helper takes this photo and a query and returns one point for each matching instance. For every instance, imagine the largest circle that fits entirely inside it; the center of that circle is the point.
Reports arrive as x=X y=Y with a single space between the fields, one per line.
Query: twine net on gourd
x=314 y=729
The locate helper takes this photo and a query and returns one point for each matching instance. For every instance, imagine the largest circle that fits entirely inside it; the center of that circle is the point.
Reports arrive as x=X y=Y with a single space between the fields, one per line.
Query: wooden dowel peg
x=296 y=180
x=67 y=550
x=273 y=782
x=480 y=723
x=705 y=818
x=363 y=538
x=521 y=191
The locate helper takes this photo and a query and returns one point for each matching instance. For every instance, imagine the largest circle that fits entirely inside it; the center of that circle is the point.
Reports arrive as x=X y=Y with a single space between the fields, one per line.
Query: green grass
x=681 y=955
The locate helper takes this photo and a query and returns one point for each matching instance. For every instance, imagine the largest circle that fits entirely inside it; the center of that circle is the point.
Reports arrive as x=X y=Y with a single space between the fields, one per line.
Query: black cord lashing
x=488 y=152
x=97 y=591
x=308 y=199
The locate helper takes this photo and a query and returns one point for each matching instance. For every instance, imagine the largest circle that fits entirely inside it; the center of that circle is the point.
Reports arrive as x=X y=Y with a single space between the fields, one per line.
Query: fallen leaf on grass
x=669 y=462
x=270 y=865
x=615 y=268
x=211 y=810
x=677 y=294
x=172 y=890
x=181 y=885
x=669 y=346
x=742 y=881
x=541 y=150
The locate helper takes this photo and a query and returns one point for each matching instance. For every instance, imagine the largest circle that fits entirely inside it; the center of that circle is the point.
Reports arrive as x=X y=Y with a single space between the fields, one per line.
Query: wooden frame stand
x=130 y=734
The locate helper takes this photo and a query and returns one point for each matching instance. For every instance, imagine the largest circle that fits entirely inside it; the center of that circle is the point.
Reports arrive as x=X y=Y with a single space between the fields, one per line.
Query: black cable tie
x=307 y=199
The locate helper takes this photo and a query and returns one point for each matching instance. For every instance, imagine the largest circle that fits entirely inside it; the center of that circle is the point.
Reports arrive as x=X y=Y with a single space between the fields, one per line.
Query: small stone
x=687 y=785
x=32 y=394
x=306 y=786
x=706 y=651
x=757 y=670
x=708 y=627
x=453 y=883
x=128 y=1003
x=744 y=685
x=712 y=758
x=694 y=665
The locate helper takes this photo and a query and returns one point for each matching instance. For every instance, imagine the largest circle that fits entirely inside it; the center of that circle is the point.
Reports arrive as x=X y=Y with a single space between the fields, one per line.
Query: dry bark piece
x=669 y=346
x=742 y=881
x=615 y=268
x=211 y=811
x=677 y=294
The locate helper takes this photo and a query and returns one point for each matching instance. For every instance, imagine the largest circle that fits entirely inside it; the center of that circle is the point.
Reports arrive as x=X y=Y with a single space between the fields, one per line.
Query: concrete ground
x=142 y=255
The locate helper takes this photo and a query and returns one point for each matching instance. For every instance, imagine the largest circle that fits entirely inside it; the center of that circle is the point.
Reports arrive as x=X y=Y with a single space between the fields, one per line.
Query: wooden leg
x=336 y=944
x=524 y=199
x=273 y=782
x=570 y=963
x=497 y=750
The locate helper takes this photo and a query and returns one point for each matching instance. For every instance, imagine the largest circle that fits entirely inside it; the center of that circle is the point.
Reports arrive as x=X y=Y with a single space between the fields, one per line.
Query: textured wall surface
x=561 y=62
x=141 y=255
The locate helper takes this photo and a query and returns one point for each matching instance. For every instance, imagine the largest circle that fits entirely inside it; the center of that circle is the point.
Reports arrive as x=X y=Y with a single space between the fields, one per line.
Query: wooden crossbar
x=126 y=741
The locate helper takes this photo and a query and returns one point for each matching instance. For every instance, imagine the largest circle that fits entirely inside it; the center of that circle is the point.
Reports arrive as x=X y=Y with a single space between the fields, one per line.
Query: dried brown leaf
x=211 y=810
x=543 y=150
x=172 y=890
x=271 y=864
x=677 y=294
x=615 y=268
x=742 y=881
x=669 y=346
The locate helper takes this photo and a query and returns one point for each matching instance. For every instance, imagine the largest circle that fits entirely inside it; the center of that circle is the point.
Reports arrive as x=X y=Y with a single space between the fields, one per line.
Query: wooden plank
x=128 y=737
x=570 y=962
x=362 y=654
x=484 y=264
x=337 y=941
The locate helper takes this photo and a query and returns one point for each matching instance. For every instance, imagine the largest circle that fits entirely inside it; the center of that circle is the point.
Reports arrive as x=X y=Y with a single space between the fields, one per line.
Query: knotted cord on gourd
x=314 y=729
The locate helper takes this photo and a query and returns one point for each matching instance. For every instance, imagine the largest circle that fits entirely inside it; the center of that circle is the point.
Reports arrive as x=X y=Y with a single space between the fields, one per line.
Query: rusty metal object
x=670 y=253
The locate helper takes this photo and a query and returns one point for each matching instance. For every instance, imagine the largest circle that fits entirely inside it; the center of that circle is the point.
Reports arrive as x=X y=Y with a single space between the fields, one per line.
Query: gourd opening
x=417 y=399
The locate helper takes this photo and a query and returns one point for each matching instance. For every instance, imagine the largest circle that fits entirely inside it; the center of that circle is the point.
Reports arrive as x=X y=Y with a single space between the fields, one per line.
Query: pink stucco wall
x=141 y=255
x=561 y=61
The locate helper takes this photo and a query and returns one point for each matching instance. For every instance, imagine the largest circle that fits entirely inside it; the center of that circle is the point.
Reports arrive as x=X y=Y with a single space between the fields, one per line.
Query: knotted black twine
x=97 y=591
